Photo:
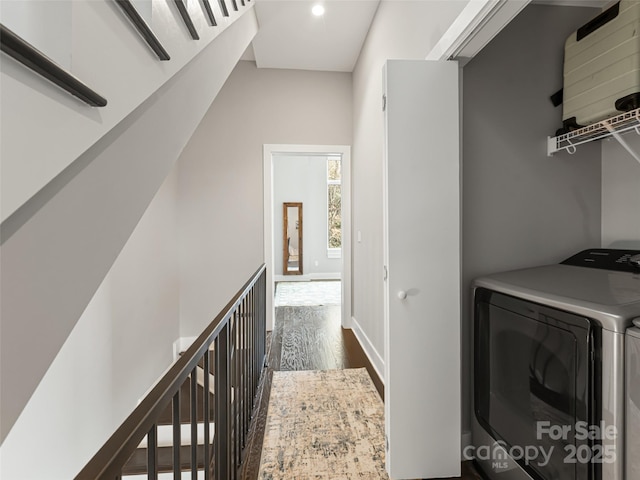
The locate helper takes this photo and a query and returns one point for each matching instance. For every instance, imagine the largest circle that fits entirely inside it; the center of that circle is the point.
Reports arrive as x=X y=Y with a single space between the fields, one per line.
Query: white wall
x=119 y=347
x=620 y=192
x=520 y=207
x=401 y=29
x=221 y=178
x=44 y=129
x=58 y=247
x=304 y=179
x=45 y=25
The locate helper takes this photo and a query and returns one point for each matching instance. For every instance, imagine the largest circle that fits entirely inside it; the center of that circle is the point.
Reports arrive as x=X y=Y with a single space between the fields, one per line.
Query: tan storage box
x=602 y=66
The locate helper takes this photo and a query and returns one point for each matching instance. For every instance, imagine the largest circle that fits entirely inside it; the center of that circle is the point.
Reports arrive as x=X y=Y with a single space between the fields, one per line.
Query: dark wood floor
x=307 y=338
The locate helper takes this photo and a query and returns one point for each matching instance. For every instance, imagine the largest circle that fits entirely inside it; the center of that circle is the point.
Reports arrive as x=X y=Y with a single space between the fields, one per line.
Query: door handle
x=402 y=294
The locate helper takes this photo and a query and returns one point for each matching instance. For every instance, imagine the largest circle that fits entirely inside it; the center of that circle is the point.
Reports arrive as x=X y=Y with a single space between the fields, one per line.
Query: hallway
x=307 y=333
x=307 y=337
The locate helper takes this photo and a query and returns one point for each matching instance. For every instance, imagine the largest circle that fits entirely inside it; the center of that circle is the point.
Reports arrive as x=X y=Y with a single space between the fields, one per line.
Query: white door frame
x=478 y=23
x=344 y=151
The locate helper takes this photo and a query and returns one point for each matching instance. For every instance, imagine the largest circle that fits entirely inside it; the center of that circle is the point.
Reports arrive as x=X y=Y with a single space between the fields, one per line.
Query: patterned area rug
x=308 y=293
x=323 y=425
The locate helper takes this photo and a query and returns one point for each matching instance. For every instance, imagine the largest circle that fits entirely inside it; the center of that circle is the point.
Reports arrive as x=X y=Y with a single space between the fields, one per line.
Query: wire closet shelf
x=611 y=127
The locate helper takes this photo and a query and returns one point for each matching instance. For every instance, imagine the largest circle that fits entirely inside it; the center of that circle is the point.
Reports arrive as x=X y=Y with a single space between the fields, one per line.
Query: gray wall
x=520 y=207
x=620 y=192
x=303 y=179
x=221 y=177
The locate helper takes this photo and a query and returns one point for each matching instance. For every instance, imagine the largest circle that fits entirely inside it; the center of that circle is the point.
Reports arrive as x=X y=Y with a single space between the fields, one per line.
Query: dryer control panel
x=607 y=259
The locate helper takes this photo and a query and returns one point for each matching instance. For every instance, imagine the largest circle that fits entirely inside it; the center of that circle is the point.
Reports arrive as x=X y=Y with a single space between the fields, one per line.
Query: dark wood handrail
x=25 y=53
x=209 y=11
x=143 y=29
x=109 y=460
x=184 y=13
x=223 y=7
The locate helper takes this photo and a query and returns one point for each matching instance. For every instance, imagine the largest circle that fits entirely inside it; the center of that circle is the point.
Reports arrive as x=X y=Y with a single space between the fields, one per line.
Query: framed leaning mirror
x=292 y=238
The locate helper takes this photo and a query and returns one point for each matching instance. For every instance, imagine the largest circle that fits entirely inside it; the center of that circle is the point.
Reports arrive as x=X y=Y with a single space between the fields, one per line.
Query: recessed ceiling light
x=318 y=10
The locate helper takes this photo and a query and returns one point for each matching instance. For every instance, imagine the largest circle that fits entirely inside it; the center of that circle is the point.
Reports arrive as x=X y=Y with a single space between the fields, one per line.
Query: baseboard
x=325 y=276
x=307 y=277
x=377 y=362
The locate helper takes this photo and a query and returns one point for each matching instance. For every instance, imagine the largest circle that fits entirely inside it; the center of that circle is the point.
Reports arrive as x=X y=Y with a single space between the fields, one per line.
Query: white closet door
x=422 y=261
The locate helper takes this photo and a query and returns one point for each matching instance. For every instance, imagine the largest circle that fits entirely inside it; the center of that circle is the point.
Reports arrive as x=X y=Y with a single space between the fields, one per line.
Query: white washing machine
x=549 y=370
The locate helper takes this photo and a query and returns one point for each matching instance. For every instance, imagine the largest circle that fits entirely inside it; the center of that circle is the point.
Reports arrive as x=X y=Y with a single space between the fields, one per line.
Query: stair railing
x=232 y=350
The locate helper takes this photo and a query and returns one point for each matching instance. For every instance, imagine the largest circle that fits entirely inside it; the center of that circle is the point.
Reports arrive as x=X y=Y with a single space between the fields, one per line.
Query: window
x=334 y=211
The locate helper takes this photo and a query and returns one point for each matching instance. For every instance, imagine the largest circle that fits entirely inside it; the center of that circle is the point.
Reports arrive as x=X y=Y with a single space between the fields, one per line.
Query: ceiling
x=290 y=36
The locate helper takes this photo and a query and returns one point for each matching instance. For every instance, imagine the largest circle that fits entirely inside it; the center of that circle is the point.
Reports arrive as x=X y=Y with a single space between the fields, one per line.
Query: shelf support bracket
x=552 y=146
x=622 y=141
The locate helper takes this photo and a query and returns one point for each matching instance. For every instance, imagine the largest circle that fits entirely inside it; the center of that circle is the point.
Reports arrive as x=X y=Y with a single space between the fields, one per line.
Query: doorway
x=320 y=155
